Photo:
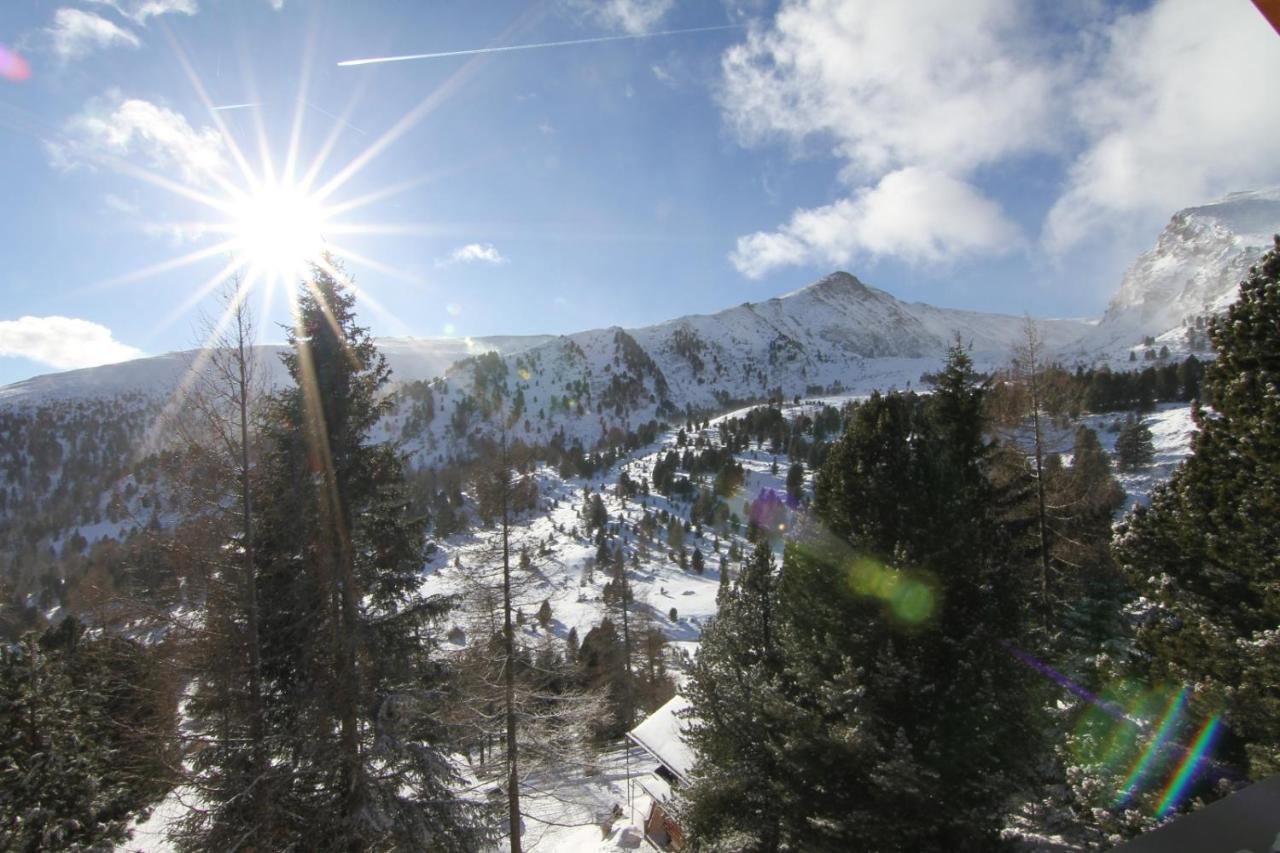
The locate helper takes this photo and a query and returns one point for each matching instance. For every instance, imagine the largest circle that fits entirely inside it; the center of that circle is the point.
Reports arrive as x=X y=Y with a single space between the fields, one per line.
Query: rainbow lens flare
x=1171 y=716
x=1185 y=774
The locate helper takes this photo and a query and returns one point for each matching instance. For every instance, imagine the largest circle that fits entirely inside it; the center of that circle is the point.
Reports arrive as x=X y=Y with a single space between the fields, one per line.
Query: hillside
x=1191 y=272
x=158 y=376
x=837 y=334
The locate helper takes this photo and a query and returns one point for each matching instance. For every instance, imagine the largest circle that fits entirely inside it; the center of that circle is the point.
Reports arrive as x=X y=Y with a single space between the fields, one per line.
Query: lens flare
x=910 y=598
x=12 y=66
x=1185 y=774
x=1172 y=714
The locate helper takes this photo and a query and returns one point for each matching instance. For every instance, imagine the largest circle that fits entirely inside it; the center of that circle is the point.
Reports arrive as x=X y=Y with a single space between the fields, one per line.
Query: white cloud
x=1177 y=114
x=139 y=10
x=912 y=98
x=114 y=126
x=894 y=84
x=75 y=33
x=62 y=342
x=914 y=214
x=664 y=76
x=632 y=16
x=475 y=253
x=1147 y=112
x=276 y=4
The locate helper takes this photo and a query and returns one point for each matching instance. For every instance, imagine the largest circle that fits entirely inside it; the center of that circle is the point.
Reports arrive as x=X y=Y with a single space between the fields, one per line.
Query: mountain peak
x=841 y=279
x=838 y=283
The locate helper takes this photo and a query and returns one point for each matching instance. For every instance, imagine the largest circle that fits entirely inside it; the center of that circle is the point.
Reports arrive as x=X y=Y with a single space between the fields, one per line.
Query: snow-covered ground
x=566 y=809
x=1171 y=431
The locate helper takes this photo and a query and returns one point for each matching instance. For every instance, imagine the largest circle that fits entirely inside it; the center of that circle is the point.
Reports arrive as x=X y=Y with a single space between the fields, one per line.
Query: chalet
x=661 y=735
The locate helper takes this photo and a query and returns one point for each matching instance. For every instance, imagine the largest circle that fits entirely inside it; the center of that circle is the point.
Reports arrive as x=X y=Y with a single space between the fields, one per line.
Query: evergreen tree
x=1082 y=500
x=901 y=721
x=736 y=789
x=79 y=735
x=1206 y=552
x=795 y=481
x=1134 y=448
x=347 y=678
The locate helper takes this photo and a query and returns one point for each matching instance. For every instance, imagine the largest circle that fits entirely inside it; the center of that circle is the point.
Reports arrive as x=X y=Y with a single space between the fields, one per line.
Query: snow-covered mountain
x=835 y=334
x=836 y=329
x=410 y=359
x=1193 y=270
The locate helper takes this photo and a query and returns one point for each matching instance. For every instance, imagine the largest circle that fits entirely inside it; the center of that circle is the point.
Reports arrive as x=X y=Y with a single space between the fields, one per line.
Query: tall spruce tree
x=1206 y=553
x=900 y=720
x=735 y=794
x=348 y=681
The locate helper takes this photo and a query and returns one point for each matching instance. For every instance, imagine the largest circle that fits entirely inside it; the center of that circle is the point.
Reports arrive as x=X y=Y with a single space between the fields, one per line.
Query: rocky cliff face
x=1193 y=270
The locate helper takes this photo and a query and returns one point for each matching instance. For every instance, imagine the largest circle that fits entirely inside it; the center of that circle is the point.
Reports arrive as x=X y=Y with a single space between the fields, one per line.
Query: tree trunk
x=509 y=672
x=256 y=724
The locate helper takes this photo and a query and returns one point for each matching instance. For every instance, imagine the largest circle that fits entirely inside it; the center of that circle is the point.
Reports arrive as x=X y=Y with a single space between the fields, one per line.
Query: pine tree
x=82 y=744
x=1134 y=448
x=1206 y=552
x=902 y=721
x=1082 y=501
x=735 y=795
x=346 y=637
x=795 y=481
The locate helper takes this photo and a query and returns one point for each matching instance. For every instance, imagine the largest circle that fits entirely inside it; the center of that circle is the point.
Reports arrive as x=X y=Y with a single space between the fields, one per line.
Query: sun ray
x=147 y=176
x=378 y=195
x=199 y=293
x=377 y=266
x=423 y=108
x=228 y=139
x=394 y=229
x=267 y=171
x=326 y=309
x=300 y=103
x=200 y=358
x=192 y=257
x=365 y=297
x=335 y=133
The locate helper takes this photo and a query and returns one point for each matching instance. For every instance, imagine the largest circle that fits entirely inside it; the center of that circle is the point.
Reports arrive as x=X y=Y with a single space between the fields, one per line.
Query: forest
x=952 y=643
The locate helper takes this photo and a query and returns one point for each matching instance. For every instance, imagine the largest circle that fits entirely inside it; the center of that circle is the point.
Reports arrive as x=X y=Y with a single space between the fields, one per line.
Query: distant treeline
x=1101 y=389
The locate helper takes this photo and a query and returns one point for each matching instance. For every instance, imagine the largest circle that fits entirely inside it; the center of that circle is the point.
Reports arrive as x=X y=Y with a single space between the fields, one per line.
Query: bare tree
x=214 y=424
x=1028 y=367
x=521 y=695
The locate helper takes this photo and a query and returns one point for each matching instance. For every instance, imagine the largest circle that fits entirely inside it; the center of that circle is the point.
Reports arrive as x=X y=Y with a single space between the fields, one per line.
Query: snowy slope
x=1198 y=261
x=410 y=359
x=565 y=808
x=836 y=334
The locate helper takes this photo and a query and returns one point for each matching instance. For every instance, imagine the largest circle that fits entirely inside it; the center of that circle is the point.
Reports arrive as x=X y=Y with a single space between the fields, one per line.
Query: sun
x=277 y=230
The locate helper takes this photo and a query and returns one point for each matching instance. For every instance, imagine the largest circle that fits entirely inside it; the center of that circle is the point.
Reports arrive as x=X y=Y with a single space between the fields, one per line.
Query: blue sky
x=995 y=155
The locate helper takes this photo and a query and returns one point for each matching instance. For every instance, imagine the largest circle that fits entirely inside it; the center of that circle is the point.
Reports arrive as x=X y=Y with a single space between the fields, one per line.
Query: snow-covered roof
x=662 y=736
x=655 y=786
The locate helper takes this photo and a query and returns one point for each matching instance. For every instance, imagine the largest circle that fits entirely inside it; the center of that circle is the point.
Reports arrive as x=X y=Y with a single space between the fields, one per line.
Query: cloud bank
x=63 y=342
x=117 y=127
x=919 y=102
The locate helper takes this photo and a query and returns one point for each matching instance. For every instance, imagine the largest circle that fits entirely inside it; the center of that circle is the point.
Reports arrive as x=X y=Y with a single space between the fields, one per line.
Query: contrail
x=510 y=47
x=234 y=107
